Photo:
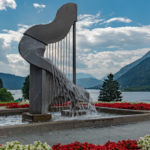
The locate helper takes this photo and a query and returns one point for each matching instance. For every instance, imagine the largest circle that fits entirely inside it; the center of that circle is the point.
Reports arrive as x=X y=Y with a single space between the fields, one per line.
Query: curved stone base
x=69 y=113
x=36 y=117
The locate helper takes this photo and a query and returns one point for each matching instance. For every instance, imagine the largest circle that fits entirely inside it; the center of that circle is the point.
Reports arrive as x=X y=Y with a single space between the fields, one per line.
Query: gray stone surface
x=12 y=111
x=48 y=85
x=57 y=29
x=92 y=135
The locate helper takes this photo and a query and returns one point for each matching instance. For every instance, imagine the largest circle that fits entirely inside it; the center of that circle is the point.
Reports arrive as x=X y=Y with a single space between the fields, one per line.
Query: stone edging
x=61 y=125
x=135 y=116
x=13 y=111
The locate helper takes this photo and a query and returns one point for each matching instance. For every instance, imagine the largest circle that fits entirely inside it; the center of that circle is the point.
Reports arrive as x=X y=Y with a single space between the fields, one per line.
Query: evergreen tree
x=1 y=83
x=110 y=90
x=25 y=88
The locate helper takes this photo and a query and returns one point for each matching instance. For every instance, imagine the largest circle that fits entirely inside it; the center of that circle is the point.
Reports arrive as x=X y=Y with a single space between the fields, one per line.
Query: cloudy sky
x=110 y=33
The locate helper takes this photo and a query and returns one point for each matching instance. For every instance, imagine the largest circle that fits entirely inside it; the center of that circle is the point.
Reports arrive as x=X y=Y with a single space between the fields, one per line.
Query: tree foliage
x=25 y=88
x=5 y=95
x=110 y=90
x=1 y=83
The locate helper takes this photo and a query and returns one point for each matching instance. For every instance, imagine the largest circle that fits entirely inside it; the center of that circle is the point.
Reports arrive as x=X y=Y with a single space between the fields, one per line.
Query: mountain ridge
x=139 y=75
x=126 y=68
x=88 y=82
x=12 y=82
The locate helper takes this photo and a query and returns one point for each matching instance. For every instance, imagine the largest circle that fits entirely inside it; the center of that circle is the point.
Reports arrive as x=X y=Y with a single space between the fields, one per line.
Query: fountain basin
x=69 y=113
x=62 y=125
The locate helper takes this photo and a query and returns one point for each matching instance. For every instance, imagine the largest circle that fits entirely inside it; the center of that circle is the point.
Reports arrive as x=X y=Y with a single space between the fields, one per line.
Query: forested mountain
x=130 y=66
x=138 y=76
x=11 y=81
x=16 y=82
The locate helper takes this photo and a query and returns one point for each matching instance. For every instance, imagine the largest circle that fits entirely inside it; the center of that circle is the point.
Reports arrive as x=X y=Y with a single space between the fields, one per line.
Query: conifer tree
x=25 y=88
x=1 y=83
x=110 y=90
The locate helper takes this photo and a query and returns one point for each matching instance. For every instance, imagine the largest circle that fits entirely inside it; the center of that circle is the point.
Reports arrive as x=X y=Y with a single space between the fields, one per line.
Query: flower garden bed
x=132 y=106
x=120 y=105
x=17 y=105
x=14 y=105
x=142 y=144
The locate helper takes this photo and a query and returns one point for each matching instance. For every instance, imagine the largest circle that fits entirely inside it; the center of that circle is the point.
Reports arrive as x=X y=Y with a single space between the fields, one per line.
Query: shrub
x=5 y=95
x=144 y=142
x=18 y=146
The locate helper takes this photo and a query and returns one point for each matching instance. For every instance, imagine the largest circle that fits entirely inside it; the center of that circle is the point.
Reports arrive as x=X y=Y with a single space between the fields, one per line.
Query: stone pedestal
x=69 y=113
x=36 y=117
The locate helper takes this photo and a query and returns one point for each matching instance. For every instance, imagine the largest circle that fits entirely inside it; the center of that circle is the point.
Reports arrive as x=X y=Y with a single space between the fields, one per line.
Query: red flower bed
x=138 y=106
x=6 y=104
x=120 y=145
x=16 y=105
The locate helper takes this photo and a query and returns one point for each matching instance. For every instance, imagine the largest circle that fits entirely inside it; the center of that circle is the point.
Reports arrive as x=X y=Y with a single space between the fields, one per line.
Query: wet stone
x=69 y=113
x=36 y=117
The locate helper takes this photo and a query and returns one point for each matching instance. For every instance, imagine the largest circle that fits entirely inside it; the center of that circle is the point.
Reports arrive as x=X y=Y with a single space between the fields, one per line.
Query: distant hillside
x=126 y=68
x=138 y=88
x=84 y=75
x=88 y=82
x=16 y=82
x=11 y=81
x=137 y=76
x=96 y=86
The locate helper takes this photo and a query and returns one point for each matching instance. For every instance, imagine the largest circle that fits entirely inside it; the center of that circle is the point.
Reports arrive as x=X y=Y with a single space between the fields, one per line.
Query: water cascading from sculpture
x=48 y=84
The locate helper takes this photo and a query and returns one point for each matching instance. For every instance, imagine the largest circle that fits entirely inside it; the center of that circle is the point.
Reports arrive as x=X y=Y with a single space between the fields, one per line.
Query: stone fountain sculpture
x=48 y=84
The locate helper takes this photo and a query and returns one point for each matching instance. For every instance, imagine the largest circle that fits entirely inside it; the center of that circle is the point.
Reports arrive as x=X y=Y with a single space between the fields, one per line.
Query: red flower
x=120 y=145
x=16 y=105
x=138 y=106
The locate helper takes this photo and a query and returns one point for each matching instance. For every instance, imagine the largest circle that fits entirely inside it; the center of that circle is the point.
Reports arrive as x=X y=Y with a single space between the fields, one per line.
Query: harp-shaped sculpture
x=51 y=52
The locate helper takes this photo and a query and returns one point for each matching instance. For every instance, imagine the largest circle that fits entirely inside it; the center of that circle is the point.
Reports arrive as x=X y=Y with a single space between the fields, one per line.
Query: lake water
x=127 y=96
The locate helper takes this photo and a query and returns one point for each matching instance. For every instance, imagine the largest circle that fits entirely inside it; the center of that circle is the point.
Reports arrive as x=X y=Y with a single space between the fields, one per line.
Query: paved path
x=92 y=135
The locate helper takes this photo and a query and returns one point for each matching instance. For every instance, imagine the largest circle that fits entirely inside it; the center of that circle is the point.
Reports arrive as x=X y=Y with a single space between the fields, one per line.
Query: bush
x=144 y=142
x=5 y=95
x=15 y=145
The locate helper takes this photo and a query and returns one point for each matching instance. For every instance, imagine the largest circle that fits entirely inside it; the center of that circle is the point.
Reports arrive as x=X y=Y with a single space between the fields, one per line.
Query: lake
x=127 y=96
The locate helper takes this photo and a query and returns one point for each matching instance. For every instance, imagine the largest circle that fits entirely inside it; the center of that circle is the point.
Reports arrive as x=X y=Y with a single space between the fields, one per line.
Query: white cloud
x=36 y=5
x=12 y=63
x=92 y=37
x=17 y=65
x=99 y=50
x=99 y=64
x=87 y=20
x=7 y=3
x=9 y=36
x=109 y=48
x=119 y=19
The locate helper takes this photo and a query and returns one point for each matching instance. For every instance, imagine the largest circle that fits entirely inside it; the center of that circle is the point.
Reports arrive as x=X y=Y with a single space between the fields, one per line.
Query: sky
x=110 y=33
